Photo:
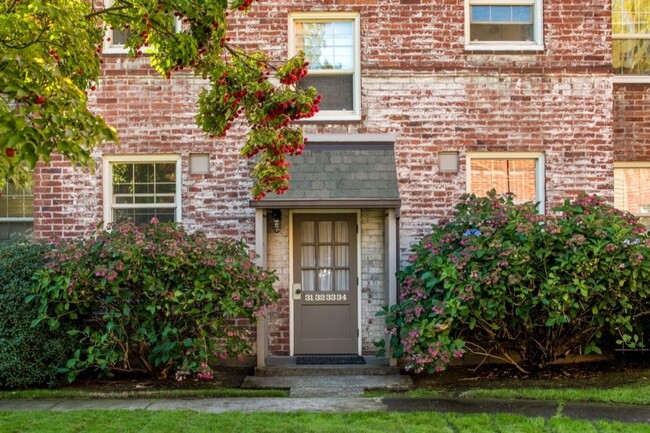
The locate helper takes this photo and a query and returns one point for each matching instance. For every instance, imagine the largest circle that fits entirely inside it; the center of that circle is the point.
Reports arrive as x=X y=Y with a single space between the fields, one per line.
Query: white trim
x=354 y=17
x=16 y=219
x=631 y=79
x=107 y=173
x=538 y=27
x=631 y=164
x=291 y=257
x=540 y=171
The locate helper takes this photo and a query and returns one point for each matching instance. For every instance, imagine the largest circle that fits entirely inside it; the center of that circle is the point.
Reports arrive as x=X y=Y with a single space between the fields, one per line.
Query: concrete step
x=286 y=366
x=329 y=386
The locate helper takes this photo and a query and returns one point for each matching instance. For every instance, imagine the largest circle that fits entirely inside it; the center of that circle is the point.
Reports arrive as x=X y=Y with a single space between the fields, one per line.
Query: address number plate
x=324 y=297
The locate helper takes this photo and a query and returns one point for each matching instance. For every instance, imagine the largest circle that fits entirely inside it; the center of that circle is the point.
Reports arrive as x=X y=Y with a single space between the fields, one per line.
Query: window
x=632 y=189
x=16 y=211
x=330 y=42
x=116 y=38
x=503 y=25
x=519 y=174
x=138 y=188
x=631 y=38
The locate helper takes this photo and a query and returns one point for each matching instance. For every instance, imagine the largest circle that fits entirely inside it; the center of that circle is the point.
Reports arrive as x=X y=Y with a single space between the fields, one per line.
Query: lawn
x=368 y=422
x=619 y=395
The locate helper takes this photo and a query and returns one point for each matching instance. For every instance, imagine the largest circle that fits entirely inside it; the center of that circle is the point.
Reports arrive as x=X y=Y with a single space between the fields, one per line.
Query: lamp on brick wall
x=448 y=162
x=276 y=218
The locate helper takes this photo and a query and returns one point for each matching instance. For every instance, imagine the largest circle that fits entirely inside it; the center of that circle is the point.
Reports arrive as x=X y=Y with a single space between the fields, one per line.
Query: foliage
x=48 y=59
x=28 y=356
x=153 y=298
x=502 y=281
x=51 y=55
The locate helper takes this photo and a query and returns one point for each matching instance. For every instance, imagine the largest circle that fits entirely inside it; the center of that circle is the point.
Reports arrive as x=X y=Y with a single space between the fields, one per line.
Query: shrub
x=153 y=299
x=29 y=356
x=502 y=281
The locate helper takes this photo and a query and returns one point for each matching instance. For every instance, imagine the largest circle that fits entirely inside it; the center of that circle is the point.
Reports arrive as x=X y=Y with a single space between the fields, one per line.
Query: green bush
x=502 y=281
x=153 y=299
x=29 y=356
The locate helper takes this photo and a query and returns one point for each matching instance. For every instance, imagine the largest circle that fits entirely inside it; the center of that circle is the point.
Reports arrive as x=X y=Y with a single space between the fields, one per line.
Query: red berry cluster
x=245 y=5
x=295 y=75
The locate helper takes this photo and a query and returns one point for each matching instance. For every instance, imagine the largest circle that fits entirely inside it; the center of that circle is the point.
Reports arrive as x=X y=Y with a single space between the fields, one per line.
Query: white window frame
x=18 y=219
x=630 y=78
x=538 y=27
x=622 y=165
x=108 y=162
x=334 y=115
x=110 y=48
x=540 y=171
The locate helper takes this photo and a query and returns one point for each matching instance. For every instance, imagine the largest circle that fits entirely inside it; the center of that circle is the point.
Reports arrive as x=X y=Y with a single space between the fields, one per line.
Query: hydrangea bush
x=502 y=281
x=153 y=299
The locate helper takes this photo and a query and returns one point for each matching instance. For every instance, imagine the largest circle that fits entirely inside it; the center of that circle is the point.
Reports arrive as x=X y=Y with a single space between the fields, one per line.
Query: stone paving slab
x=327 y=386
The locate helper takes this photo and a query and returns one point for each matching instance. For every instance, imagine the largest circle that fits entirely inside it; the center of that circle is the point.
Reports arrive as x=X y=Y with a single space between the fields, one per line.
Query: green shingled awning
x=340 y=174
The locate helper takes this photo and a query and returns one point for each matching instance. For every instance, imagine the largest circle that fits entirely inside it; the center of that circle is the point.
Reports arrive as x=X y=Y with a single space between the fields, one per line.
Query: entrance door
x=325 y=284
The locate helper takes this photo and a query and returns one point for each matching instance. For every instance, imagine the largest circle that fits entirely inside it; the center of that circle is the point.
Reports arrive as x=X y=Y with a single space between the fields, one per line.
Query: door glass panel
x=325 y=280
x=325 y=256
x=341 y=232
x=342 y=259
x=325 y=232
x=342 y=280
x=308 y=257
x=309 y=280
x=307 y=232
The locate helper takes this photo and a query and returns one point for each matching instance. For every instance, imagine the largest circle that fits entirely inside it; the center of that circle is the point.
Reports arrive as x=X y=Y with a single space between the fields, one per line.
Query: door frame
x=292 y=212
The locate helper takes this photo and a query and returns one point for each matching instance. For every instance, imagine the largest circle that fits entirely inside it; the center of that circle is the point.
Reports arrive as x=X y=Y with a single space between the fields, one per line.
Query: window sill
x=632 y=79
x=510 y=48
x=333 y=116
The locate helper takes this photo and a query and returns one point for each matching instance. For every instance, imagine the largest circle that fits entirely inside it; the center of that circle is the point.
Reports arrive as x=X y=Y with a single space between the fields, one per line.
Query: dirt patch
x=603 y=374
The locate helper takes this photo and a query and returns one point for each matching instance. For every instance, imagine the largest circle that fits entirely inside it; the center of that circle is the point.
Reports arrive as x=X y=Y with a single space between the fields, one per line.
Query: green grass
x=619 y=395
x=368 y=422
x=165 y=393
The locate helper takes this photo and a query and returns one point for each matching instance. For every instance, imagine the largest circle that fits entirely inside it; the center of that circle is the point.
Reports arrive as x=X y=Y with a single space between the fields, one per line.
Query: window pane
x=506 y=176
x=327 y=45
x=144 y=183
x=119 y=37
x=308 y=259
x=309 y=280
x=632 y=190
x=16 y=202
x=501 y=32
x=336 y=90
x=307 y=232
x=325 y=256
x=501 y=23
x=325 y=232
x=630 y=16
x=9 y=230
x=325 y=280
x=342 y=280
x=144 y=215
x=631 y=56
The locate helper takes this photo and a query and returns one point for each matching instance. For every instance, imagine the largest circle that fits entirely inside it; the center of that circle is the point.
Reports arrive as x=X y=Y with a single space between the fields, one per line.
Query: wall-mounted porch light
x=276 y=219
x=448 y=162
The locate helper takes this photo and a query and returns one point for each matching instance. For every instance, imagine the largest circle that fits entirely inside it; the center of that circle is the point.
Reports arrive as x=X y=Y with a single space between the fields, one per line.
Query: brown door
x=325 y=284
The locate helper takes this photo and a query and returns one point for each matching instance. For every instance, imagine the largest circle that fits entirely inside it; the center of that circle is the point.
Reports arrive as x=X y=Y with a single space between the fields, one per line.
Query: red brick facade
x=418 y=83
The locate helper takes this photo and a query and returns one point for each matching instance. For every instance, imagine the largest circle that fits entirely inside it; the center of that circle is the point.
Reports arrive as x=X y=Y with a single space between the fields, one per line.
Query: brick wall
x=632 y=122
x=417 y=83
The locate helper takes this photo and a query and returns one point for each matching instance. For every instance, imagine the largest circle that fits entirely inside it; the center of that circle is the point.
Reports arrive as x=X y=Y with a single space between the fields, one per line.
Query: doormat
x=329 y=360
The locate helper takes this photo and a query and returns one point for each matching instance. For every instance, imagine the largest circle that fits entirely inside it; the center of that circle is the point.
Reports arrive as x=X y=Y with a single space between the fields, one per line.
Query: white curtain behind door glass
x=308 y=256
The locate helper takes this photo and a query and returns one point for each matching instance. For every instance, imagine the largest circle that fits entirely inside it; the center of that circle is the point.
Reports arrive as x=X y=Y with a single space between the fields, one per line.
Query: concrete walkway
x=586 y=411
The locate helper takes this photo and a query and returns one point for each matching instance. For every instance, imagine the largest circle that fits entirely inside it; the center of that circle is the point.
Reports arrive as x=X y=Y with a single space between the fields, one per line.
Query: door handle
x=297 y=290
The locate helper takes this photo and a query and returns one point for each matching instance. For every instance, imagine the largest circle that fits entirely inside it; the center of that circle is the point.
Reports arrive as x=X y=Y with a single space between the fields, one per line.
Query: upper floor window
x=631 y=37
x=519 y=174
x=503 y=25
x=115 y=39
x=16 y=211
x=138 y=188
x=632 y=189
x=330 y=42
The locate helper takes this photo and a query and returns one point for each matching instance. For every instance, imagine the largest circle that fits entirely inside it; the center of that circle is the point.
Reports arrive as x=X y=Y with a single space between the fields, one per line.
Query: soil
x=601 y=374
